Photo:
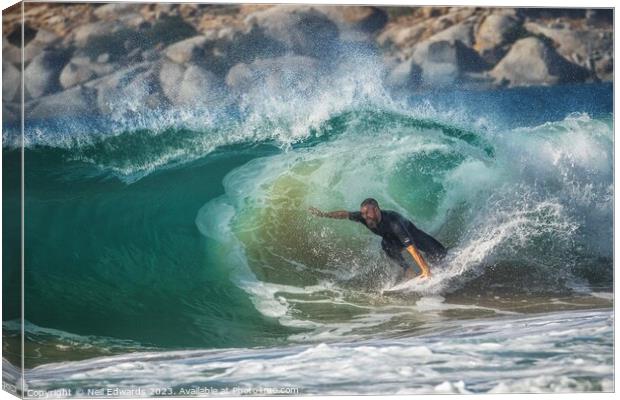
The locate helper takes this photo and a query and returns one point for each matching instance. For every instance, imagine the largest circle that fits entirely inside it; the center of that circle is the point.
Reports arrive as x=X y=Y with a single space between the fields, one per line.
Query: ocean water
x=173 y=250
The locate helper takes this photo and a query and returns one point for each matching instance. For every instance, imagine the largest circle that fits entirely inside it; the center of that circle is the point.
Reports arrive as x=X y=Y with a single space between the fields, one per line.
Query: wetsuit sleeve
x=356 y=216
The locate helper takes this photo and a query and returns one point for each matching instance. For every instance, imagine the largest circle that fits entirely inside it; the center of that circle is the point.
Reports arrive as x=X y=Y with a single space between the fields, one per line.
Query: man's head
x=371 y=212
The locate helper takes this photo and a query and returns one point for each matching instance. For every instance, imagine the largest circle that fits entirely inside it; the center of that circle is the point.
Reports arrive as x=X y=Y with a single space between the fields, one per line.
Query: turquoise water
x=190 y=231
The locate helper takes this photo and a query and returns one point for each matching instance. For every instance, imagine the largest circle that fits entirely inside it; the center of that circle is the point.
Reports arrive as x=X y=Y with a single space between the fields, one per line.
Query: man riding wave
x=398 y=233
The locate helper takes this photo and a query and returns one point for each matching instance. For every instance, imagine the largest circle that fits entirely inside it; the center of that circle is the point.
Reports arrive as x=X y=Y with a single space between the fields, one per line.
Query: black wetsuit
x=398 y=232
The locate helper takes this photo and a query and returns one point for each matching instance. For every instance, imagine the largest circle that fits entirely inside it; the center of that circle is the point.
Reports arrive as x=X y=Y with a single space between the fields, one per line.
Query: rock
x=100 y=67
x=170 y=77
x=494 y=35
x=234 y=46
x=11 y=113
x=143 y=92
x=113 y=94
x=446 y=62
x=103 y=58
x=463 y=32
x=402 y=37
x=193 y=85
x=461 y=13
x=285 y=76
x=580 y=47
x=32 y=50
x=187 y=50
x=115 y=10
x=303 y=32
x=82 y=69
x=73 y=102
x=150 y=55
x=404 y=76
x=11 y=53
x=604 y=68
x=133 y=20
x=363 y=18
x=74 y=74
x=11 y=82
x=83 y=33
x=46 y=37
x=442 y=23
x=531 y=61
x=374 y=20
x=431 y=12
x=42 y=40
x=199 y=87
x=443 y=58
x=41 y=75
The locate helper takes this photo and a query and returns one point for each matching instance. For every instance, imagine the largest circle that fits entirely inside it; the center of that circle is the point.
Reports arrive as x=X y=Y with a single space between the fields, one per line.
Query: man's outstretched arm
x=329 y=214
x=426 y=272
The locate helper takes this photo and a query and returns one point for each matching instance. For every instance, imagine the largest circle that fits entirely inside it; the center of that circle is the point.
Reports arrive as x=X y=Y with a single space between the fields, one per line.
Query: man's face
x=371 y=214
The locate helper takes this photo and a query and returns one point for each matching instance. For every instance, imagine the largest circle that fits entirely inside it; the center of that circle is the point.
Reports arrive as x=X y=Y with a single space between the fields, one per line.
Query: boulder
x=47 y=37
x=115 y=10
x=113 y=93
x=83 y=33
x=188 y=50
x=42 y=40
x=74 y=74
x=462 y=32
x=81 y=69
x=73 y=102
x=101 y=66
x=32 y=50
x=494 y=35
x=11 y=114
x=143 y=93
x=581 y=47
x=11 y=53
x=402 y=37
x=362 y=18
x=446 y=62
x=199 y=87
x=532 y=61
x=191 y=85
x=404 y=76
x=232 y=46
x=442 y=23
x=604 y=68
x=306 y=32
x=150 y=55
x=133 y=20
x=41 y=75
x=170 y=77
x=11 y=82
x=280 y=76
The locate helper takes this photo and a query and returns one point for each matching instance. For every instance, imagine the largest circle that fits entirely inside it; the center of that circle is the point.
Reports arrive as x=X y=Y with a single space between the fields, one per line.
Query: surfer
x=398 y=233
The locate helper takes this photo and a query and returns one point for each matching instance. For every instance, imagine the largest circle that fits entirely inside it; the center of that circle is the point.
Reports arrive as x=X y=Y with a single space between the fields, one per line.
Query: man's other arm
x=407 y=241
x=340 y=214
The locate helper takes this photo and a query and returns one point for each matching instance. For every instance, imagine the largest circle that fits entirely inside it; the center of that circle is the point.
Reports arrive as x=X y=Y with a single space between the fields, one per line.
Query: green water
x=169 y=239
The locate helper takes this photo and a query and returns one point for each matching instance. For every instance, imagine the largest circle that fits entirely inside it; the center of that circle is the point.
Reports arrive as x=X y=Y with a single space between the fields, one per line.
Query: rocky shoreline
x=89 y=59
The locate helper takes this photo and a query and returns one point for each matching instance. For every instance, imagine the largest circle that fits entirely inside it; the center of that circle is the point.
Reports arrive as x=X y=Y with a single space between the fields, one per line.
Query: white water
x=540 y=203
x=557 y=352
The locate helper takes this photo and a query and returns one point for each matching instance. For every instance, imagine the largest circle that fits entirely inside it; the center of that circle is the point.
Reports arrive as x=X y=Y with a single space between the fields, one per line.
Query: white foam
x=511 y=354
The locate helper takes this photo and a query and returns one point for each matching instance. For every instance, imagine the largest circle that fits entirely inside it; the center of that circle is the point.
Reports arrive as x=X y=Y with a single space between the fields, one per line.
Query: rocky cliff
x=89 y=58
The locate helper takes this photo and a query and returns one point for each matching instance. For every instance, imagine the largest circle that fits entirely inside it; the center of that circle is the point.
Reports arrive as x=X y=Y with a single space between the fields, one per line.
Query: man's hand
x=316 y=211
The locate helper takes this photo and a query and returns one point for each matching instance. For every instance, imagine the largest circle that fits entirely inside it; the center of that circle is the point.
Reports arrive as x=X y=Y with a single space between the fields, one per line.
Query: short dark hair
x=368 y=201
